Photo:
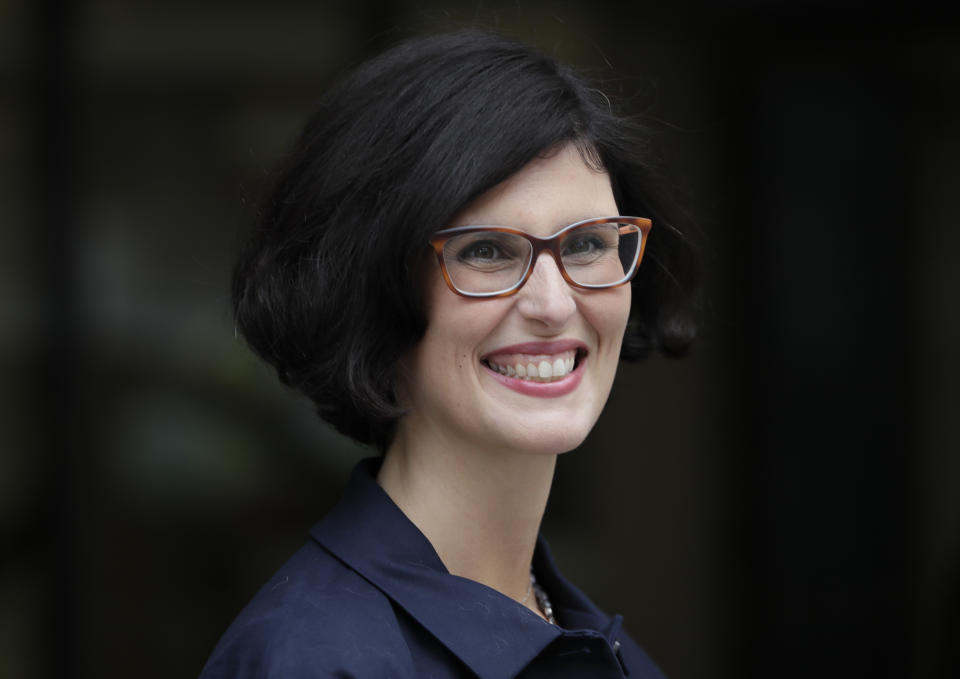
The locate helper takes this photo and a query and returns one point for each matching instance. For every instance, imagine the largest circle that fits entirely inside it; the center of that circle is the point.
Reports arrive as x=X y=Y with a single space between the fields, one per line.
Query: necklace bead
x=543 y=602
x=527 y=595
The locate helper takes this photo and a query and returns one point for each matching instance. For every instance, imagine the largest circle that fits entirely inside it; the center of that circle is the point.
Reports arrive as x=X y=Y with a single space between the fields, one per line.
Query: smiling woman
x=545 y=323
x=470 y=367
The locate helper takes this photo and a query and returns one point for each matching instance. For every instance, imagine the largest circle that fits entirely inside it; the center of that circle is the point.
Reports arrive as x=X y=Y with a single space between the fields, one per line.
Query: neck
x=481 y=509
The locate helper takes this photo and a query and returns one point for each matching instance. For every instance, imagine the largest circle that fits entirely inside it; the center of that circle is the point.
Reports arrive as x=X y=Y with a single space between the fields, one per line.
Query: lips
x=538 y=368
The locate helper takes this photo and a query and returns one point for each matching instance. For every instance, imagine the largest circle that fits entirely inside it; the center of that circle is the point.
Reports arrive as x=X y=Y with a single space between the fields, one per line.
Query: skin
x=472 y=462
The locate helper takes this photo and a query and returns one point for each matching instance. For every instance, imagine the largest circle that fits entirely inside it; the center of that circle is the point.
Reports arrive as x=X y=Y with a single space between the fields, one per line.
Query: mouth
x=542 y=367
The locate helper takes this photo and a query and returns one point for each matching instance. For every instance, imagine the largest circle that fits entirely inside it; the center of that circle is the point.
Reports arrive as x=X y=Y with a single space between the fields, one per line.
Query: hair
x=327 y=288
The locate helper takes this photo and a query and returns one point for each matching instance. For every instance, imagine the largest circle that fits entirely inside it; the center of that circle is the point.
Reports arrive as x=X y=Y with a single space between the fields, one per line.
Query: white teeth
x=543 y=370
x=559 y=368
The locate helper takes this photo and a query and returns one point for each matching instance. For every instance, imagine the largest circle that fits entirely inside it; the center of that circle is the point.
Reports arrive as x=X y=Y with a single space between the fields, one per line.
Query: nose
x=546 y=297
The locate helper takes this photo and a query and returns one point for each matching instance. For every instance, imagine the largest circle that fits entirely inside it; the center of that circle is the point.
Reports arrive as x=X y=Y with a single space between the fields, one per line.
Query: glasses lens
x=601 y=254
x=486 y=262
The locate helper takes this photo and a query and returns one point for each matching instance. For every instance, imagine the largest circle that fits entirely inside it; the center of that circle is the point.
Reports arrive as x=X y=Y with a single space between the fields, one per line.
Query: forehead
x=545 y=195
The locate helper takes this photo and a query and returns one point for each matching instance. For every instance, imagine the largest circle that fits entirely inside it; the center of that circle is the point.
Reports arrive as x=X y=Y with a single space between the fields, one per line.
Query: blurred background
x=783 y=502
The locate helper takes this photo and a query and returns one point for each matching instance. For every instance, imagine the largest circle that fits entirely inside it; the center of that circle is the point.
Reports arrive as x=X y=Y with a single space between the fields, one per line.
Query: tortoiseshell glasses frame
x=626 y=226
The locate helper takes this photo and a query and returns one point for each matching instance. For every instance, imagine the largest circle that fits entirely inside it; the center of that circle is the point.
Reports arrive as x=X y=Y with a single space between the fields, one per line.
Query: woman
x=444 y=271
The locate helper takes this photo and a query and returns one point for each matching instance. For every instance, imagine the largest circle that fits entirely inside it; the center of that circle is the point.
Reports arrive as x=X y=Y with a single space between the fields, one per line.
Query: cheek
x=455 y=328
x=610 y=315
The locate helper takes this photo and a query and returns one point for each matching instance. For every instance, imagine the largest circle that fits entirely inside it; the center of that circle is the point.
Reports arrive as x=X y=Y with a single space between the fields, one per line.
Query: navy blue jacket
x=368 y=597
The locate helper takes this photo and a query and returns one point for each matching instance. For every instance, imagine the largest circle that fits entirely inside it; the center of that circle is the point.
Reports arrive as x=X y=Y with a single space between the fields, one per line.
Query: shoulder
x=314 y=618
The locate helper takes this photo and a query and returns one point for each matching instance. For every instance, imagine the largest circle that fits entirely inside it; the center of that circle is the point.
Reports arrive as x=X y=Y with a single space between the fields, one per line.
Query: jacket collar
x=491 y=633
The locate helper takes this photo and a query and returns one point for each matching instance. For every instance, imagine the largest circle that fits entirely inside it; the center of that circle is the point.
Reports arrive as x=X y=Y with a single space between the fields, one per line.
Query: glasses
x=495 y=261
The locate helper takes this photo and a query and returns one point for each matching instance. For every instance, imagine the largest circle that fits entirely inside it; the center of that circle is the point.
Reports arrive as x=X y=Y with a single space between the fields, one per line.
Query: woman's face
x=452 y=382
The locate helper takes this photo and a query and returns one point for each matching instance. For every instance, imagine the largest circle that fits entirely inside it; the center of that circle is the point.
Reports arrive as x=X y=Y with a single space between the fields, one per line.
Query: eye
x=584 y=245
x=480 y=251
x=590 y=244
x=486 y=251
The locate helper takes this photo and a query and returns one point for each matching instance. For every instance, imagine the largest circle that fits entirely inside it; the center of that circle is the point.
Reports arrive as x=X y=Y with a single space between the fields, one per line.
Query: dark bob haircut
x=327 y=289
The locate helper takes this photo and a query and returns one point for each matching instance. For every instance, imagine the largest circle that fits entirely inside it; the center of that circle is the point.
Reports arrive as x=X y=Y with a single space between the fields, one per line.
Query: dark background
x=781 y=503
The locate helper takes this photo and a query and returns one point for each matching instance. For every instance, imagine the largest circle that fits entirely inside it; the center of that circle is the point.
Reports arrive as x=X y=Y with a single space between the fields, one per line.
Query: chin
x=550 y=428
x=547 y=440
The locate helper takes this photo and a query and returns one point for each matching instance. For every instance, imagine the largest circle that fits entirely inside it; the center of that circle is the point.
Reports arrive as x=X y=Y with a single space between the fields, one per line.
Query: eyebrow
x=584 y=217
